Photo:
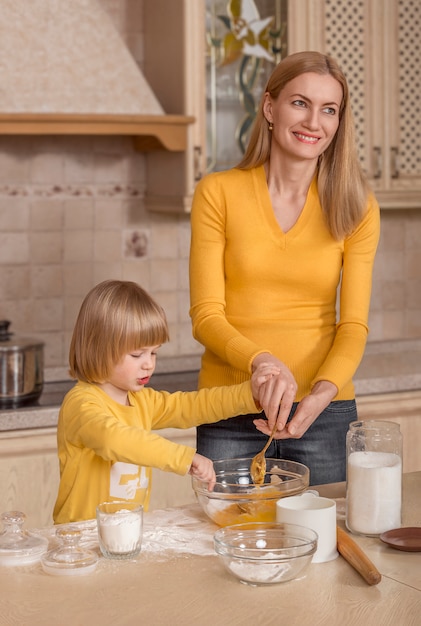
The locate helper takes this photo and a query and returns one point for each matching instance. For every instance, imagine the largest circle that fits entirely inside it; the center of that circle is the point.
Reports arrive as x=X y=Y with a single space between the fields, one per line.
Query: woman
x=273 y=241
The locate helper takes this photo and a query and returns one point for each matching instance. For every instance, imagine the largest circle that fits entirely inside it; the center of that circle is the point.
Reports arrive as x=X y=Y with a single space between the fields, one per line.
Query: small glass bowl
x=69 y=558
x=235 y=499
x=265 y=553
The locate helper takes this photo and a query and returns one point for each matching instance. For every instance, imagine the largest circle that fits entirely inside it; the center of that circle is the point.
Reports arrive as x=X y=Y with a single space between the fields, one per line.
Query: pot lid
x=9 y=341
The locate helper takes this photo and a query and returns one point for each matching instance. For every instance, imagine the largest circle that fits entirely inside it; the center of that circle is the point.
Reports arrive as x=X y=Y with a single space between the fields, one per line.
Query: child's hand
x=260 y=376
x=202 y=468
x=276 y=389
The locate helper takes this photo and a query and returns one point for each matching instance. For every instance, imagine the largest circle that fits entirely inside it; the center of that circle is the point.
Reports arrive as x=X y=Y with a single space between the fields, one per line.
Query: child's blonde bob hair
x=116 y=318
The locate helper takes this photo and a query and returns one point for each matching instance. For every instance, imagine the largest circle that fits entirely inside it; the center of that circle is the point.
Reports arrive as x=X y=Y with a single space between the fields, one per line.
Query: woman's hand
x=202 y=468
x=277 y=393
x=308 y=410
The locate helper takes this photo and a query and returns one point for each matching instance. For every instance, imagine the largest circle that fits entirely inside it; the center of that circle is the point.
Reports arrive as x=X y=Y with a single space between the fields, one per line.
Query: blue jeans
x=322 y=448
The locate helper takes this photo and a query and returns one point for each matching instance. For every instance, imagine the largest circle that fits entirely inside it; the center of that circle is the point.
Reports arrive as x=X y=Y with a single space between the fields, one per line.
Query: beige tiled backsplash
x=65 y=229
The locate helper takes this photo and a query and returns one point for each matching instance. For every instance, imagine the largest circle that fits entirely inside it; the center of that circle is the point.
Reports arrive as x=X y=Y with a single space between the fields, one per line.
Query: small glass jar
x=374 y=477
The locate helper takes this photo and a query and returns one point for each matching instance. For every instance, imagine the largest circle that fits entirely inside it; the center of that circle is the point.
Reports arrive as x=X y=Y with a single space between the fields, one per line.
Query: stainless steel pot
x=21 y=368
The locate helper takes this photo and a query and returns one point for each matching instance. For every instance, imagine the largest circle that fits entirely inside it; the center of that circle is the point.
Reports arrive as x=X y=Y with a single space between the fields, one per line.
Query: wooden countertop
x=186 y=588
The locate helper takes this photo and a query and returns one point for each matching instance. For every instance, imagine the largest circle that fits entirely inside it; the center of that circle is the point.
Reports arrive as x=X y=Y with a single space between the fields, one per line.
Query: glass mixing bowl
x=236 y=500
x=264 y=553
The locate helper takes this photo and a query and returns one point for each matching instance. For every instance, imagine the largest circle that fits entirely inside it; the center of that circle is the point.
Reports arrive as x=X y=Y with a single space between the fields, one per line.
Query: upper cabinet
x=174 y=43
x=377 y=43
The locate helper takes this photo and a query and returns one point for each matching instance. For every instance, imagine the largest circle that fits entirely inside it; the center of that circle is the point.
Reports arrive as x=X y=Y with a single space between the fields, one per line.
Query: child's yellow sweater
x=106 y=450
x=256 y=289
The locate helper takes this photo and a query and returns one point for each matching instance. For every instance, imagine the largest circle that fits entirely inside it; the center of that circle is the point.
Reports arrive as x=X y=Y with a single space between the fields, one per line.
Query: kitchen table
x=177 y=579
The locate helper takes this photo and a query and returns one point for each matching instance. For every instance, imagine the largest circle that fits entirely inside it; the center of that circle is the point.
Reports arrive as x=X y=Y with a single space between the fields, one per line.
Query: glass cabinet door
x=245 y=39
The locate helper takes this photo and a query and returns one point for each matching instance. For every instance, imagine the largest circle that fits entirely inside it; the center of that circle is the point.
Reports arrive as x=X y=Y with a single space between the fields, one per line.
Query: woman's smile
x=306 y=138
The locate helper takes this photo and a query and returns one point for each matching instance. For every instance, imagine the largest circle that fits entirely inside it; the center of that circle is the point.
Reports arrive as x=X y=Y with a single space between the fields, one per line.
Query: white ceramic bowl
x=265 y=553
x=236 y=500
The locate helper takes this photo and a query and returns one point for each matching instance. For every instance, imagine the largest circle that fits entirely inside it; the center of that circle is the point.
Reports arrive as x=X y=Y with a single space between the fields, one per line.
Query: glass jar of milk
x=374 y=477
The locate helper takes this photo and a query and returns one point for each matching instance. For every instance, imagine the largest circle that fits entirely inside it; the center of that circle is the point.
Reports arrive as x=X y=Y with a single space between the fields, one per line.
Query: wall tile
x=71 y=307
x=79 y=214
x=413 y=295
x=54 y=354
x=20 y=313
x=105 y=271
x=15 y=280
x=393 y=324
x=169 y=302
x=48 y=314
x=107 y=245
x=187 y=344
x=79 y=164
x=47 y=164
x=14 y=214
x=46 y=247
x=14 y=248
x=78 y=246
x=110 y=213
x=390 y=266
x=393 y=295
x=15 y=160
x=412 y=223
x=46 y=214
x=392 y=237
x=77 y=279
x=164 y=241
x=46 y=281
x=184 y=234
x=137 y=270
x=413 y=327
x=413 y=262
x=183 y=274
x=164 y=275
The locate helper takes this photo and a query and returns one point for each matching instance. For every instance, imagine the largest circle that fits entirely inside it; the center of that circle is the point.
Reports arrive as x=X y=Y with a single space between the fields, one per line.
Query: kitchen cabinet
x=29 y=474
x=174 y=40
x=377 y=43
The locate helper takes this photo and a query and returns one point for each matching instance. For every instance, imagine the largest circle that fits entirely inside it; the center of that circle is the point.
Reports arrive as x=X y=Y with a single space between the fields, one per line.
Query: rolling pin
x=352 y=553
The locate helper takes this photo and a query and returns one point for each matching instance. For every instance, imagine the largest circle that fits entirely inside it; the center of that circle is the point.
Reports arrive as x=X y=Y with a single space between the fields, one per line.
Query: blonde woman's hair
x=342 y=186
x=116 y=318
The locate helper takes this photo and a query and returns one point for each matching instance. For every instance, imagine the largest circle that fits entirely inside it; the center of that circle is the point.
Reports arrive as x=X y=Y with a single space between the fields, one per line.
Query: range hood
x=64 y=69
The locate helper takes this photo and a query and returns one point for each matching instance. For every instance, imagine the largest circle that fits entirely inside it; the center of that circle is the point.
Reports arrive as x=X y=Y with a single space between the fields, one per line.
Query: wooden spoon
x=258 y=462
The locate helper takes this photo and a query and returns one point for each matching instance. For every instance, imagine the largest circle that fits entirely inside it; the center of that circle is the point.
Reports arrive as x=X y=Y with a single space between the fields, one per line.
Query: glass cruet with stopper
x=18 y=546
x=374 y=477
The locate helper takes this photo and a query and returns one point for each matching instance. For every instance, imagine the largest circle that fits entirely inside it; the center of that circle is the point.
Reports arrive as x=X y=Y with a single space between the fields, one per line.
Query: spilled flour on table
x=178 y=531
x=166 y=532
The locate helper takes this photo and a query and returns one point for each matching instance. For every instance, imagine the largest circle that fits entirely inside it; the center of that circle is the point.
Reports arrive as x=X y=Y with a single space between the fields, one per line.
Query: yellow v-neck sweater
x=256 y=289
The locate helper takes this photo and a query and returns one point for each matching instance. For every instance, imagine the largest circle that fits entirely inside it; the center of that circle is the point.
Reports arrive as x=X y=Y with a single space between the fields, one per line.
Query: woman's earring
x=270 y=126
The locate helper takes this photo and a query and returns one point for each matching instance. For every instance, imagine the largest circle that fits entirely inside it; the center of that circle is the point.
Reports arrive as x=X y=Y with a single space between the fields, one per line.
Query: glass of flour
x=120 y=528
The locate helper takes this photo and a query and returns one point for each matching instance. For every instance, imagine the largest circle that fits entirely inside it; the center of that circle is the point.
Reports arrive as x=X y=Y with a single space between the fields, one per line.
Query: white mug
x=314 y=512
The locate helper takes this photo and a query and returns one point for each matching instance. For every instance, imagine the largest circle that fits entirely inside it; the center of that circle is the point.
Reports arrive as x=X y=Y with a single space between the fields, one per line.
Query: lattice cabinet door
x=377 y=43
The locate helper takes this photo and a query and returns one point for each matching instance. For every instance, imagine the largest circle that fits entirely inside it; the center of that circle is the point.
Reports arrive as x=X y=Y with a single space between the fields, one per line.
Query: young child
x=106 y=446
